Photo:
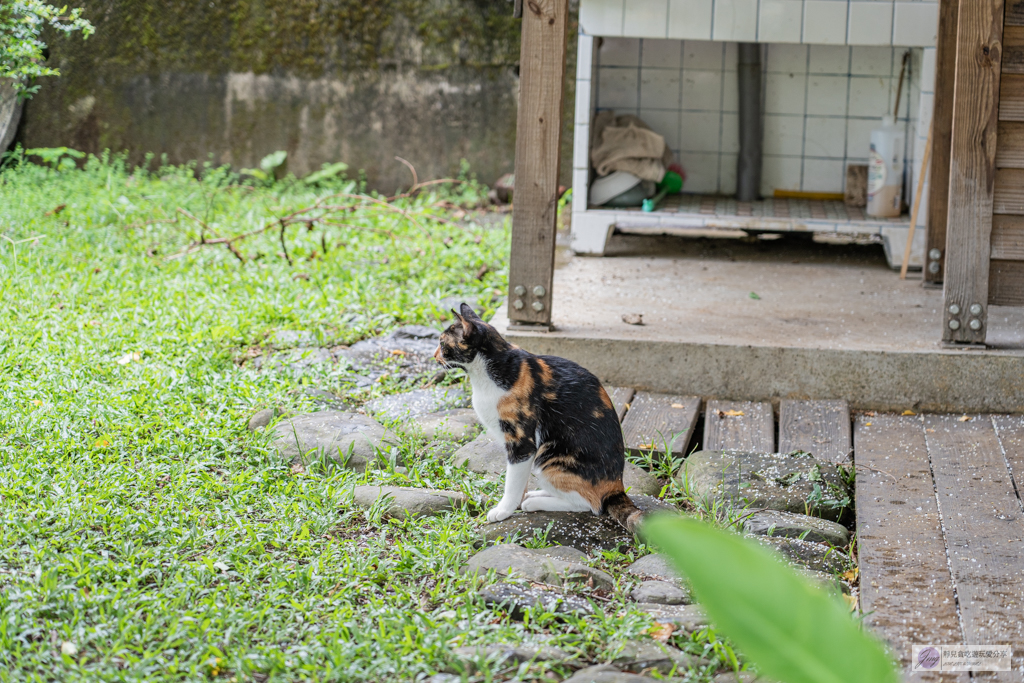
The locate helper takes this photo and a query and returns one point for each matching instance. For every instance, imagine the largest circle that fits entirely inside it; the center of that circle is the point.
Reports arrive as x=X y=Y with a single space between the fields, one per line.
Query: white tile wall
x=910 y=23
x=820 y=101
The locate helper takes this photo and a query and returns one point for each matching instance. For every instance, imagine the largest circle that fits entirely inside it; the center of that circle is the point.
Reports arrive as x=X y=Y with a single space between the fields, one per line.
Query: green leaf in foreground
x=792 y=631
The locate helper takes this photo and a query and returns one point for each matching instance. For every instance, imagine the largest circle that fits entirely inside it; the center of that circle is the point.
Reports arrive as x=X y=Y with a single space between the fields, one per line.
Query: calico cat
x=553 y=416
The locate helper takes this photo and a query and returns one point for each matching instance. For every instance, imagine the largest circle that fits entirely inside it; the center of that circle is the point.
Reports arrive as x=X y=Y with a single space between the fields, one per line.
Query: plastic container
x=612 y=185
x=885 y=170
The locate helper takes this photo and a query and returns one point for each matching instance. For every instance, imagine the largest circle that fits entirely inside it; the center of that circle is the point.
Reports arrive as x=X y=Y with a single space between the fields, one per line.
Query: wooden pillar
x=972 y=170
x=942 y=130
x=538 y=144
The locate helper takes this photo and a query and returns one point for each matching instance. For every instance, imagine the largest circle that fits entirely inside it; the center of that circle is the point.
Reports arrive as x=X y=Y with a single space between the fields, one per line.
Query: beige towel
x=626 y=143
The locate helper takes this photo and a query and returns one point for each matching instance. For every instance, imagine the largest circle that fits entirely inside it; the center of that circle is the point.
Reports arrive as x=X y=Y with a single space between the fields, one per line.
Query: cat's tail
x=620 y=508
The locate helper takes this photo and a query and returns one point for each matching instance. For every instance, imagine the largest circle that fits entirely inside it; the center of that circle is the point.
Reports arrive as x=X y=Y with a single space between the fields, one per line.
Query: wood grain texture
x=1014 y=13
x=1010 y=430
x=1010 y=152
x=1008 y=238
x=984 y=530
x=1013 y=49
x=942 y=131
x=1008 y=195
x=1006 y=283
x=821 y=428
x=1011 y=98
x=620 y=396
x=538 y=143
x=752 y=431
x=655 y=420
x=906 y=591
x=972 y=174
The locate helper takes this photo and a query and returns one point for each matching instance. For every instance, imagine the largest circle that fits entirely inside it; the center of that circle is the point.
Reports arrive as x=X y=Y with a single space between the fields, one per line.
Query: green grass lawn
x=145 y=533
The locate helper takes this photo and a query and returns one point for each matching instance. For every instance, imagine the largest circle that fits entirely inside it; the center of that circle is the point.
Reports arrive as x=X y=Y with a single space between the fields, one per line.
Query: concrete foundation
x=762 y=320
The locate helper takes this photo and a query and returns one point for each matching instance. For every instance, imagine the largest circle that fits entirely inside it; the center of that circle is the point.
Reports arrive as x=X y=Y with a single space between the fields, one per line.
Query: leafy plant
x=792 y=631
x=21 y=49
x=269 y=164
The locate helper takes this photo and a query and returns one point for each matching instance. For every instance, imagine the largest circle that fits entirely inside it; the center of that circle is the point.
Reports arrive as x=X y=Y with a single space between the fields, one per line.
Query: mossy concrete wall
x=432 y=81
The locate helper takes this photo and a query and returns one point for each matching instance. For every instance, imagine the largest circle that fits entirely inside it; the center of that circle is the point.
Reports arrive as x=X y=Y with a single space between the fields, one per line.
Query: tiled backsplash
x=820 y=104
x=909 y=23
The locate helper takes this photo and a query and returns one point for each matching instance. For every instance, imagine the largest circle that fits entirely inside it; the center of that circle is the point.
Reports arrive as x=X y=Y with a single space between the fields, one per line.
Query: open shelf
x=696 y=211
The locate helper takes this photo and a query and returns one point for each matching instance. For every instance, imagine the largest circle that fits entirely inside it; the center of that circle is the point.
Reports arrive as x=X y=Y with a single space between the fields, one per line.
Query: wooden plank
x=972 y=175
x=655 y=420
x=942 y=131
x=1010 y=152
x=1008 y=238
x=620 y=396
x=538 y=145
x=1010 y=430
x=906 y=591
x=1014 y=13
x=1008 y=195
x=1011 y=98
x=1006 y=283
x=739 y=425
x=821 y=428
x=984 y=530
x=1013 y=49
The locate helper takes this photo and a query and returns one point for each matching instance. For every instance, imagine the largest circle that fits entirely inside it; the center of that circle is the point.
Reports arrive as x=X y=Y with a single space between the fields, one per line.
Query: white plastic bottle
x=885 y=170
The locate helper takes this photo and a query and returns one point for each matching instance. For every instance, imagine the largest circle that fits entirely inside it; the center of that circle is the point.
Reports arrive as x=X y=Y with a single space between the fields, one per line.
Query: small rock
x=792 y=525
x=814 y=556
x=581 y=530
x=417 y=402
x=661 y=593
x=513 y=560
x=408 y=501
x=688 y=618
x=633 y=318
x=291 y=338
x=604 y=673
x=656 y=566
x=776 y=481
x=457 y=423
x=411 y=348
x=348 y=438
x=518 y=599
x=643 y=655
x=506 y=655
x=262 y=418
x=485 y=456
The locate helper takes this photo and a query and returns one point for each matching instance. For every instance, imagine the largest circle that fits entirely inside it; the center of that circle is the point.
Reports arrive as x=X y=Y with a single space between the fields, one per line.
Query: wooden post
x=538 y=144
x=972 y=170
x=942 y=129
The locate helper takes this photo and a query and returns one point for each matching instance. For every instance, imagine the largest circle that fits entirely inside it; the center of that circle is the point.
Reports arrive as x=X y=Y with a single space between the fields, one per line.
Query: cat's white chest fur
x=486 y=395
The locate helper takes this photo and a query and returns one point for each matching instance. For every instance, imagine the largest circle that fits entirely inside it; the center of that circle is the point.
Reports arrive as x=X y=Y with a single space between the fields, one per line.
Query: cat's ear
x=468 y=312
x=457 y=316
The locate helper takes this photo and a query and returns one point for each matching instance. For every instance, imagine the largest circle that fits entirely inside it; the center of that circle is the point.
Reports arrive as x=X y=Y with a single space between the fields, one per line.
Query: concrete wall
x=432 y=81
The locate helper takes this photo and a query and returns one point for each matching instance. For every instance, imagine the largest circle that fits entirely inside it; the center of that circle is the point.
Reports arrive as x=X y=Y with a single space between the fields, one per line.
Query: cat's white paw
x=534 y=493
x=535 y=503
x=496 y=514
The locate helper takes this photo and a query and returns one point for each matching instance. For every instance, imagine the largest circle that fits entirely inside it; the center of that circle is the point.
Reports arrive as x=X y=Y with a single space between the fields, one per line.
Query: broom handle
x=917 y=203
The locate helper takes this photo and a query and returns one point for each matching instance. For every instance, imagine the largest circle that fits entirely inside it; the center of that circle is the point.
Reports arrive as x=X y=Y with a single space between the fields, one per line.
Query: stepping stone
x=511 y=655
x=262 y=418
x=485 y=456
x=661 y=593
x=643 y=655
x=581 y=530
x=688 y=618
x=564 y=553
x=774 y=481
x=814 y=556
x=408 y=501
x=656 y=566
x=517 y=599
x=347 y=438
x=411 y=348
x=417 y=402
x=509 y=559
x=792 y=525
x=605 y=673
x=456 y=423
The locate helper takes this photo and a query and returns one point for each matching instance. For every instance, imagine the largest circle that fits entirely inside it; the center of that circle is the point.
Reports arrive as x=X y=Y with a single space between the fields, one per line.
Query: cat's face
x=467 y=337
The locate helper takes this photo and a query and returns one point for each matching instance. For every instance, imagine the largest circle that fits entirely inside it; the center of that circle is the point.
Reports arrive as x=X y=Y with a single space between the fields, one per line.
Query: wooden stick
x=917 y=203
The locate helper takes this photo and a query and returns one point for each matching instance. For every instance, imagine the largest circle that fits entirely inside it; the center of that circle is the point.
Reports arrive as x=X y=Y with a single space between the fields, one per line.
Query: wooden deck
x=940 y=524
